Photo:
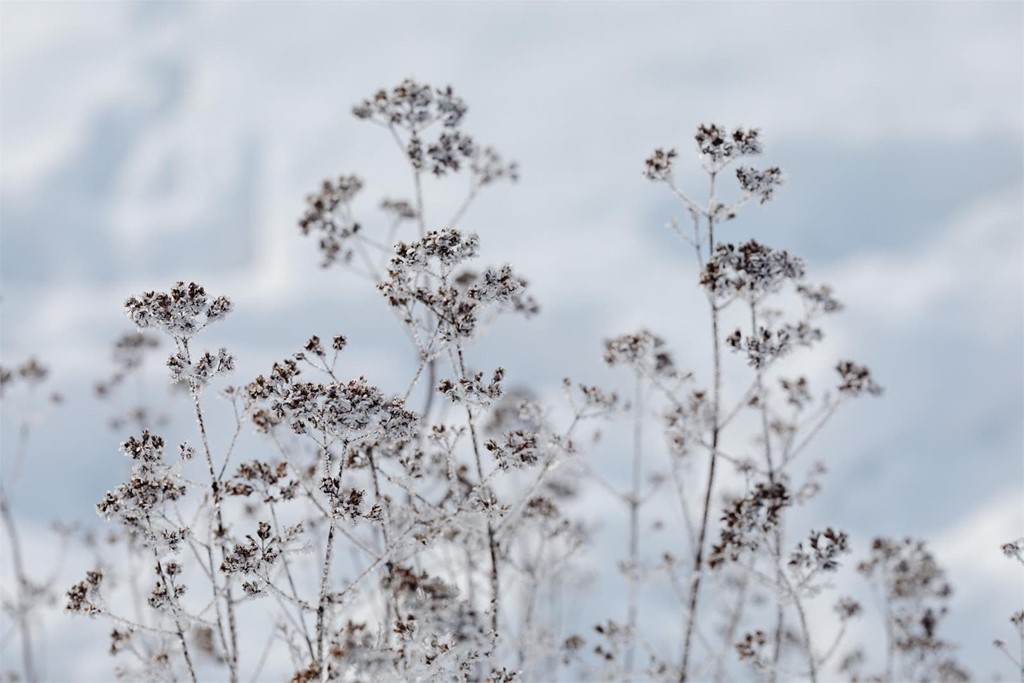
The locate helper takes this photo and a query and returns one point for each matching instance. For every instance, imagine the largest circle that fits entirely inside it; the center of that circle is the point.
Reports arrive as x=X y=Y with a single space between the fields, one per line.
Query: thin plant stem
x=733 y=624
x=390 y=607
x=474 y=189
x=491 y=538
x=634 y=525
x=698 y=562
x=291 y=584
x=776 y=541
x=220 y=532
x=321 y=608
x=804 y=630
x=169 y=590
x=24 y=628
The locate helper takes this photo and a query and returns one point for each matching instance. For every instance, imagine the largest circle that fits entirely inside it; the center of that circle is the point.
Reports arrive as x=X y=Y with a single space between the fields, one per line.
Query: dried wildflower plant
x=434 y=534
x=32 y=589
x=733 y=531
x=1014 y=550
x=437 y=510
x=763 y=309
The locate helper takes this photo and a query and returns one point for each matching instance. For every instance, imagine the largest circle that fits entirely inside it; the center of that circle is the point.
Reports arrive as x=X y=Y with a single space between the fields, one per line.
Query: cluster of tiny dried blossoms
x=31 y=373
x=438 y=298
x=181 y=313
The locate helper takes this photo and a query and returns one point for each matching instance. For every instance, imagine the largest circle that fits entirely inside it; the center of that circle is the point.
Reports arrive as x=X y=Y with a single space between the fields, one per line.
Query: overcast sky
x=145 y=143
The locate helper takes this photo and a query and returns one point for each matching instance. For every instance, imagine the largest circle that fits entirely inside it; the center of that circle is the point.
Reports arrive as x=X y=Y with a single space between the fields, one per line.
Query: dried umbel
x=181 y=312
x=329 y=215
x=720 y=146
x=337 y=410
x=760 y=183
x=152 y=484
x=643 y=351
x=821 y=553
x=659 y=165
x=30 y=374
x=413 y=105
x=750 y=271
x=748 y=521
x=455 y=305
x=84 y=596
x=856 y=379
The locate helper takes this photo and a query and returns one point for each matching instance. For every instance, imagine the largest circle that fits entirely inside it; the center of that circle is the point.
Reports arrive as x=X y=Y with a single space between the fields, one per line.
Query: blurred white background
x=145 y=143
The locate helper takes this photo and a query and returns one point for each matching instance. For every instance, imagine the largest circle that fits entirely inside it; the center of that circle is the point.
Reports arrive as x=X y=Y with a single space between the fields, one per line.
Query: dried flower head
x=658 y=166
x=181 y=313
x=747 y=520
x=329 y=216
x=720 y=146
x=31 y=372
x=856 y=380
x=760 y=183
x=1014 y=550
x=643 y=351
x=821 y=553
x=413 y=106
x=751 y=270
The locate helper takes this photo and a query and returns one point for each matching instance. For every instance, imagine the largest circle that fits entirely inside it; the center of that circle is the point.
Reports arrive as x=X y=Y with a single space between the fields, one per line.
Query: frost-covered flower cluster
x=329 y=216
x=153 y=484
x=413 y=105
x=643 y=351
x=720 y=146
x=750 y=270
x=453 y=303
x=760 y=183
x=181 y=312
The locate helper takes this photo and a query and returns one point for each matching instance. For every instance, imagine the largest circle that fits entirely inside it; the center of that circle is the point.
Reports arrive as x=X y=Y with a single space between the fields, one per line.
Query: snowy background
x=145 y=143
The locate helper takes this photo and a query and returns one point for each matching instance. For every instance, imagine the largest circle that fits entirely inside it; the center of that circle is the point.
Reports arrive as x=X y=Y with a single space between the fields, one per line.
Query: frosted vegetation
x=439 y=533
